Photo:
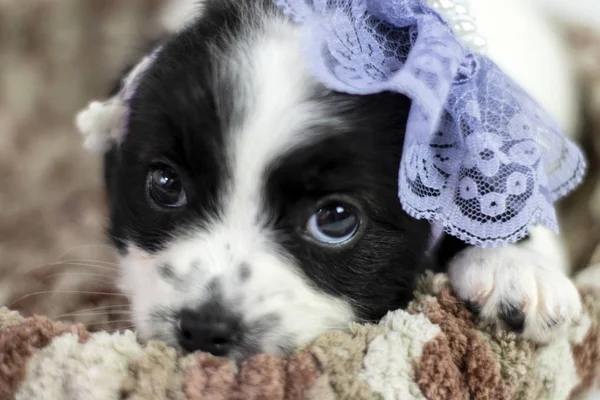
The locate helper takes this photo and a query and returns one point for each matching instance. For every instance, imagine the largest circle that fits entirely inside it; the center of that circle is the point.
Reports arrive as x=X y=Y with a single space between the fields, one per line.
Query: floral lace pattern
x=480 y=156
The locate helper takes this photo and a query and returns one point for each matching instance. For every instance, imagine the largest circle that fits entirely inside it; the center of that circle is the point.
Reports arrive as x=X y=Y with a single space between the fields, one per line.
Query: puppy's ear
x=102 y=123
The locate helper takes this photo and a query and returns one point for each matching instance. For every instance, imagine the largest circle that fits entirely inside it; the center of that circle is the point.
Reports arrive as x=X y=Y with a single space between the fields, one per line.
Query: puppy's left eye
x=165 y=187
x=334 y=223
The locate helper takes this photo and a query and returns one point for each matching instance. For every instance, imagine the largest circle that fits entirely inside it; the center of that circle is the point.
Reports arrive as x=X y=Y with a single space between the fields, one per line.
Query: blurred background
x=56 y=56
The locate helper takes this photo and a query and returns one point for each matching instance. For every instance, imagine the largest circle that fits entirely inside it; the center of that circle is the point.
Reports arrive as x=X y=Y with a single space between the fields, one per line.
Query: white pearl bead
x=446 y=4
x=463 y=24
x=461 y=9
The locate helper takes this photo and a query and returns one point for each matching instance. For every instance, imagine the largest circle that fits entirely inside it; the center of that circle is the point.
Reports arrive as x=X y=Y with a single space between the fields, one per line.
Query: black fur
x=377 y=272
x=179 y=115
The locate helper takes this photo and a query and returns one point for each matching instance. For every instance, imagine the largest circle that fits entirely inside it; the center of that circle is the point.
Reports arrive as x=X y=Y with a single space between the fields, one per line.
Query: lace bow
x=480 y=155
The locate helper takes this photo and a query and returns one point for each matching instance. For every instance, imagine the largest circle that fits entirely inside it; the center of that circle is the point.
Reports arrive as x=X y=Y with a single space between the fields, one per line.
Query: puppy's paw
x=518 y=287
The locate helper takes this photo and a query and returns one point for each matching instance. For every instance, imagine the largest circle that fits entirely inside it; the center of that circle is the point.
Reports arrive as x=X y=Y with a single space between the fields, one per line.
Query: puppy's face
x=252 y=208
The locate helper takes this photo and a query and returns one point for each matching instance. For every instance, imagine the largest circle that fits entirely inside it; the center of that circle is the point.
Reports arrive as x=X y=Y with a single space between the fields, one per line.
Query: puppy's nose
x=211 y=329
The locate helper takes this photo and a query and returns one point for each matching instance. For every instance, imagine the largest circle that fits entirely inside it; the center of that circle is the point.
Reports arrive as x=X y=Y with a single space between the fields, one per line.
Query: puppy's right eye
x=165 y=187
x=334 y=223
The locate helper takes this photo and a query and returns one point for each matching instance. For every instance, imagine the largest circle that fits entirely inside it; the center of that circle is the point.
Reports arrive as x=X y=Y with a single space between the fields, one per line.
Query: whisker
x=69 y=263
x=111 y=278
x=85 y=246
x=61 y=261
x=91 y=261
x=88 y=263
x=94 y=309
x=124 y=328
x=66 y=292
x=111 y=322
x=115 y=321
x=94 y=314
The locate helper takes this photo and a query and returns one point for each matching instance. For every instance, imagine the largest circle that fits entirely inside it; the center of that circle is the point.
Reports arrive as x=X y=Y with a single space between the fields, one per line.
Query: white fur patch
x=276 y=116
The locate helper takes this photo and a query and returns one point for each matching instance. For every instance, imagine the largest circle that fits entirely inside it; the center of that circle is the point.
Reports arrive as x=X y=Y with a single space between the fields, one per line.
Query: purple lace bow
x=480 y=156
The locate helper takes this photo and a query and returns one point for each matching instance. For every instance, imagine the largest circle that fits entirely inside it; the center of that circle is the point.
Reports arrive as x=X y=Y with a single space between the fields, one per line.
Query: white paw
x=517 y=287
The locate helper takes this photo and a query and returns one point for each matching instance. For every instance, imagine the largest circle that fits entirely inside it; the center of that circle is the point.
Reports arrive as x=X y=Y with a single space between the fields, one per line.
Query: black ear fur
x=111 y=157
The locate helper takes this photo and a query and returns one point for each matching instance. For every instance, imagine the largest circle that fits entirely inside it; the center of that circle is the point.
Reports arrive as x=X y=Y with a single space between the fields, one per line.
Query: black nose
x=211 y=329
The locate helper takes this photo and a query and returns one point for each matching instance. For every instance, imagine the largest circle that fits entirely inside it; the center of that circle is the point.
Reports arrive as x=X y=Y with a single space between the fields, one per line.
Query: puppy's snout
x=211 y=328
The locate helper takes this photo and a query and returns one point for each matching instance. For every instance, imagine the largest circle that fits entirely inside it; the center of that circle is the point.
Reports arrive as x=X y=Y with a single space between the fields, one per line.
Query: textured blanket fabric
x=433 y=350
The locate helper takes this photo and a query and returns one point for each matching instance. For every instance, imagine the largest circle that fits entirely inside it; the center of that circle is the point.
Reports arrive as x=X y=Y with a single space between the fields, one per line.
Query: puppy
x=254 y=209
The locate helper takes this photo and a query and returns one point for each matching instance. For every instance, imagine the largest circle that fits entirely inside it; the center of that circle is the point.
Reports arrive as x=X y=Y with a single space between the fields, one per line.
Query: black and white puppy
x=253 y=209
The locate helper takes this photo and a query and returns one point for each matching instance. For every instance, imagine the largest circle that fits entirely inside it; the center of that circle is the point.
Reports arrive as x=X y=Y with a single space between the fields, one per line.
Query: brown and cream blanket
x=432 y=350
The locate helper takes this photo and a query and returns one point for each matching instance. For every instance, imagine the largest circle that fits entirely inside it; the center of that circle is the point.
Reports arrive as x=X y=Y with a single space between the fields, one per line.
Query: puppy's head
x=254 y=209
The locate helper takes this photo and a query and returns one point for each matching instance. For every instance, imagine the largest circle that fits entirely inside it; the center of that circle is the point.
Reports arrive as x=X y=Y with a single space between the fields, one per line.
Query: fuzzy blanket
x=432 y=350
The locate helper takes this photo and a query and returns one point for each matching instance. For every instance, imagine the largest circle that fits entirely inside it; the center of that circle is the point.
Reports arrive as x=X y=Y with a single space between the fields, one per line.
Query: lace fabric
x=480 y=156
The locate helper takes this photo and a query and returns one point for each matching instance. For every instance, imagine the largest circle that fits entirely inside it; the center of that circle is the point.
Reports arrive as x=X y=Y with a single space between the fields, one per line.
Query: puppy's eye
x=165 y=186
x=334 y=223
